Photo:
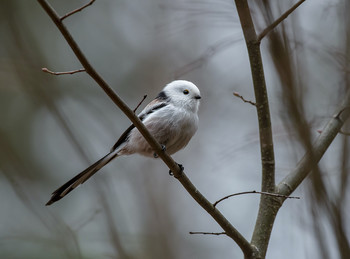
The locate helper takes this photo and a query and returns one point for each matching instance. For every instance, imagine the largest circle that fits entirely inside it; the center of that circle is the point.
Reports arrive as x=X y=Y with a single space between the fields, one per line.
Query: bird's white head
x=183 y=94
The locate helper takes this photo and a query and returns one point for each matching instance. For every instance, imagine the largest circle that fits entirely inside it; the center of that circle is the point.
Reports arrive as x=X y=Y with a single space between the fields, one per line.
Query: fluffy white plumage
x=172 y=118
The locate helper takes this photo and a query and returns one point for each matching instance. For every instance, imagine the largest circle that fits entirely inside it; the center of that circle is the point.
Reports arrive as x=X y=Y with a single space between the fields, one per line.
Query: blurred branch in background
x=281 y=54
x=278 y=21
x=292 y=88
x=209 y=53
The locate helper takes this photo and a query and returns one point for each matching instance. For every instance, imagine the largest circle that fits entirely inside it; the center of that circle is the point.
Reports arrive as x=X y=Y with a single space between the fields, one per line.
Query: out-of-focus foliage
x=52 y=127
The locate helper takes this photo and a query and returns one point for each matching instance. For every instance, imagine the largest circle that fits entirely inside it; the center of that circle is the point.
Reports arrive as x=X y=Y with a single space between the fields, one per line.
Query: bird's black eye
x=186 y=91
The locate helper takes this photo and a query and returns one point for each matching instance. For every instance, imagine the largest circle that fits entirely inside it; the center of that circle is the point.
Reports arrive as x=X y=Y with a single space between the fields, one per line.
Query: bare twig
x=232 y=232
x=76 y=10
x=250 y=192
x=144 y=97
x=242 y=98
x=279 y=20
x=208 y=233
x=44 y=69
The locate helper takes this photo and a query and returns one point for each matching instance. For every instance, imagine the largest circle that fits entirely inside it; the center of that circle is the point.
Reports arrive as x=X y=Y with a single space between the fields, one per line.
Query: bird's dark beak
x=197 y=97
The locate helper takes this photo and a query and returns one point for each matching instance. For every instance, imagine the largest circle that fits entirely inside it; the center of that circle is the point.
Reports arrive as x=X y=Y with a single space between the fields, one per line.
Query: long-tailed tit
x=172 y=118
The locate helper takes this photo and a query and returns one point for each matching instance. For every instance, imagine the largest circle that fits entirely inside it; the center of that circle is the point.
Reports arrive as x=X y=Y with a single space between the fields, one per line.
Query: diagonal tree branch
x=247 y=249
x=309 y=161
x=279 y=20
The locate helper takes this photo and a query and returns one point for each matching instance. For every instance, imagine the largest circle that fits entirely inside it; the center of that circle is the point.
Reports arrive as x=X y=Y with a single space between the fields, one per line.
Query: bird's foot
x=181 y=168
x=155 y=155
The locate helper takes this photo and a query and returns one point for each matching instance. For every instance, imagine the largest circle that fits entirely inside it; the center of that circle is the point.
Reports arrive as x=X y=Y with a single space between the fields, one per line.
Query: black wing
x=142 y=116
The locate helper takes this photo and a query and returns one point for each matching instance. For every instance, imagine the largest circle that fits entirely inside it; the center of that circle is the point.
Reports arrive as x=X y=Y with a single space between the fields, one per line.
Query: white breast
x=171 y=126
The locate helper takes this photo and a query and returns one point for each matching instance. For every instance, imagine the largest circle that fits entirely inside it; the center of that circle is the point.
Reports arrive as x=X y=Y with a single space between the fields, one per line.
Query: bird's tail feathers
x=81 y=178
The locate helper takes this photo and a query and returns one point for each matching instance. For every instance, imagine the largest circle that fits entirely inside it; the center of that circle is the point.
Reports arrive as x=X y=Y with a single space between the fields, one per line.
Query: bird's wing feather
x=150 y=108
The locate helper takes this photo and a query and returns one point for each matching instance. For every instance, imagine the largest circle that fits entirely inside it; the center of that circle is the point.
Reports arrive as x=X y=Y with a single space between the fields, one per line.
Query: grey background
x=54 y=127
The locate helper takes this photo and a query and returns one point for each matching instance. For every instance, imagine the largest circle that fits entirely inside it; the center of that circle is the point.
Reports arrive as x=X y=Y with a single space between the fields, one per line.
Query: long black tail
x=81 y=178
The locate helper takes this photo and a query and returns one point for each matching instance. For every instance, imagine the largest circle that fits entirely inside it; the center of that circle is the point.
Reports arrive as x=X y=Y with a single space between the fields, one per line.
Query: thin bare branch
x=207 y=233
x=144 y=97
x=44 y=69
x=250 y=192
x=279 y=20
x=242 y=98
x=232 y=232
x=76 y=10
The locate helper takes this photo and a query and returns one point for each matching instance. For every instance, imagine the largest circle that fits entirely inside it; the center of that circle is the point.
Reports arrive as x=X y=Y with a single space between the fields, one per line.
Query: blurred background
x=53 y=127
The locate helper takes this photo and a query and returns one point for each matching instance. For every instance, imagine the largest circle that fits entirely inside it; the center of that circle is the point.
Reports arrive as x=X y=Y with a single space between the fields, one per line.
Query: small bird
x=172 y=118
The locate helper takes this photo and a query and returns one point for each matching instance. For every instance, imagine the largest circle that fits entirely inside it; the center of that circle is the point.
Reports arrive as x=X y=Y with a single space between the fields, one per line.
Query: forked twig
x=208 y=233
x=144 y=97
x=76 y=10
x=278 y=21
x=44 y=69
x=249 y=192
x=242 y=98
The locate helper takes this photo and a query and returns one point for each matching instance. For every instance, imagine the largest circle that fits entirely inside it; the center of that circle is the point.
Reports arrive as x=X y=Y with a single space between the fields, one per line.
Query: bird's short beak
x=197 y=97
